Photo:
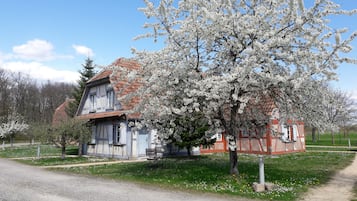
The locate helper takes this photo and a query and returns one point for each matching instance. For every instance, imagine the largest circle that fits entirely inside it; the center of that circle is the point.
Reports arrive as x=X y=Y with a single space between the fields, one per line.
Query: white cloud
x=41 y=72
x=354 y=94
x=39 y=50
x=83 y=50
x=1 y=58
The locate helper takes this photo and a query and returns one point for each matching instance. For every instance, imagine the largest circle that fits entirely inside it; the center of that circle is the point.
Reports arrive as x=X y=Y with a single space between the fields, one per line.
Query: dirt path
x=338 y=188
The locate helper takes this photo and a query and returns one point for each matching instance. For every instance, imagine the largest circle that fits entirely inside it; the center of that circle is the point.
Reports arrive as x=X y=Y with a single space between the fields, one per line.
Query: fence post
x=38 y=151
x=349 y=142
x=3 y=145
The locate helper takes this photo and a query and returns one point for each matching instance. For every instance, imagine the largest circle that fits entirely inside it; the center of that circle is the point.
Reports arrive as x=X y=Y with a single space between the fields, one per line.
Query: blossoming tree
x=12 y=126
x=229 y=52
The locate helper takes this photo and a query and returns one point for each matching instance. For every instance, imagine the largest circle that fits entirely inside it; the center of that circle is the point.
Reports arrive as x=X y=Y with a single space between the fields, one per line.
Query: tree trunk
x=63 y=146
x=313 y=134
x=63 y=152
x=233 y=157
x=80 y=150
x=188 y=151
x=12 y=140
x=233 y=160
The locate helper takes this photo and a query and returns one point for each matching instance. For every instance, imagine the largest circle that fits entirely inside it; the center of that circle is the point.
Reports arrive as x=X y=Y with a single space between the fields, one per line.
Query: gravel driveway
x=26 y=183
x=338 y=188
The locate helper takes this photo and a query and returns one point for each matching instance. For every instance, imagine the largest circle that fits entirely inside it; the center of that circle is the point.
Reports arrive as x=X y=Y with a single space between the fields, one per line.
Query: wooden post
x=3 y=145
x=38 y=151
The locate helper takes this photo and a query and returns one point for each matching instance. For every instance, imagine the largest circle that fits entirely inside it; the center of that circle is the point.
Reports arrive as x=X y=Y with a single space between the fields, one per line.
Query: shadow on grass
x=72 y=150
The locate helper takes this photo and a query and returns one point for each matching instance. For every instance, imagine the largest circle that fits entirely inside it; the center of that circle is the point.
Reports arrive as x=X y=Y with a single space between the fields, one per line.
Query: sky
x=50 y=39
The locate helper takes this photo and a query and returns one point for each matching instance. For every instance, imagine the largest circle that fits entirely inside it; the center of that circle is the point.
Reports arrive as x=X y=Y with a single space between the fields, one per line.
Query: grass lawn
x=293 y=174
x=331 y=148
x=50 y=155
x=54 y=161
x=326 y=139
x=354 y=192
x=31 y=151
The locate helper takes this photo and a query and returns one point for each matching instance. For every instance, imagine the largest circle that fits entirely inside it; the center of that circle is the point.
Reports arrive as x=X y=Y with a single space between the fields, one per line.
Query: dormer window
x=110 y=99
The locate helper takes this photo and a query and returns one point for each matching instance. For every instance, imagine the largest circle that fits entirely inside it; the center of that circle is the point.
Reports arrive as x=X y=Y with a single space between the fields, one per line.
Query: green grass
x=50 y=155
x=330 y=148
x=354 y=192
x=55 y=161
x=52 y=161
x=326 y=139
x=293 y=174
x=31 y=151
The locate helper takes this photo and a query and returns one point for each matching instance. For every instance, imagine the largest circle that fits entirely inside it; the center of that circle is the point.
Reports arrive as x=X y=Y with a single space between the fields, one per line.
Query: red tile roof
x=101 y=75
x=122 y=62
x=121 y=87
x=126 y=63
x=264 y=105
x=60 y=114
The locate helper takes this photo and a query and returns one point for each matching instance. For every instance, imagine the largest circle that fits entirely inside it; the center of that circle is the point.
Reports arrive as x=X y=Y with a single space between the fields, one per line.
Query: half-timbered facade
x=273 y=137
x=112 y=135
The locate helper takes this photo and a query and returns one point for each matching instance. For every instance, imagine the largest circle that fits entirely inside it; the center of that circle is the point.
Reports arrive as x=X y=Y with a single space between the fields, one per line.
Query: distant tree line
x=34 y=101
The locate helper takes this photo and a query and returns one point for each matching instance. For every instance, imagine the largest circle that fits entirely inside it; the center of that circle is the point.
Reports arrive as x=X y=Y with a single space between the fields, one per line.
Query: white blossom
x=219 y=55
x=13 y=125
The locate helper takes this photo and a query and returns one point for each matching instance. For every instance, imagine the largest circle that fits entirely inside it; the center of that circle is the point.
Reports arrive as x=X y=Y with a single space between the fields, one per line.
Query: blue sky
x=49 y=39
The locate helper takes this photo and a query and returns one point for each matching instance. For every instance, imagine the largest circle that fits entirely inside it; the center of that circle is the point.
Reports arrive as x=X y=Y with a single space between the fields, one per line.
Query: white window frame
x=110 y=99
x=285 y=129
x=119 y=134
x=92 y=102
x=290 y=133
x=295 y=132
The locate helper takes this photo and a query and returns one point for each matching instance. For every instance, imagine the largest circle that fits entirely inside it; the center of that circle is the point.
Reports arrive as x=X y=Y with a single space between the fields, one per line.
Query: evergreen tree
x=86 y=74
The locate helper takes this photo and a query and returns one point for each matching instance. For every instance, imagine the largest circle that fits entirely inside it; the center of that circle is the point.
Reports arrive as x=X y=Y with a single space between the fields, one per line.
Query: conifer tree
x=85 y=74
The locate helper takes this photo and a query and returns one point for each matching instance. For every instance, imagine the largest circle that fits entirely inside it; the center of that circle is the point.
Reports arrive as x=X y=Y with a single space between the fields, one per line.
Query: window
x=289 y=133
x=116 y=133
x=286 y=133
x=219 y=137
x=92 y=100
x=295 y=133
x=119 y=133
x=110 y=99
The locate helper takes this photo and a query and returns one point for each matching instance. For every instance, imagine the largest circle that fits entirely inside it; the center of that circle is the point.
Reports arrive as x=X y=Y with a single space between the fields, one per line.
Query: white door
x=143 y=142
